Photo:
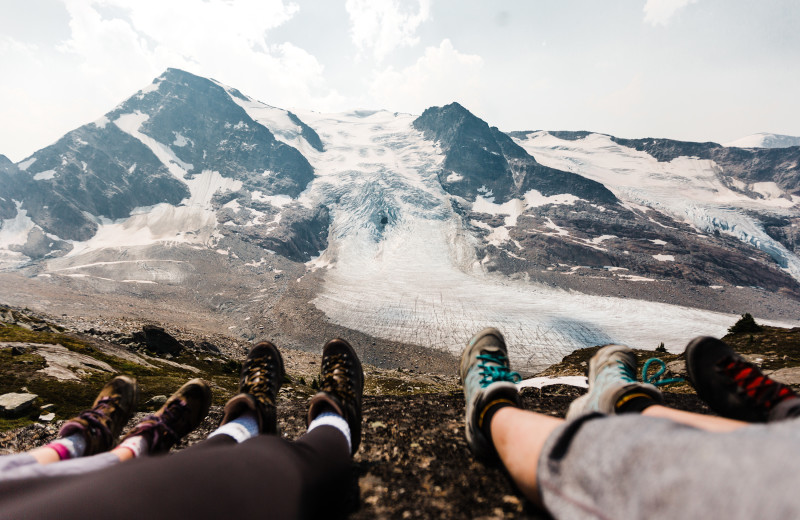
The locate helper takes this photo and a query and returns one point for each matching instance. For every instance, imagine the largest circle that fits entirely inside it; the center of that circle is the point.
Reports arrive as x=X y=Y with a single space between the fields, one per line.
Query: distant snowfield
x=688 y=189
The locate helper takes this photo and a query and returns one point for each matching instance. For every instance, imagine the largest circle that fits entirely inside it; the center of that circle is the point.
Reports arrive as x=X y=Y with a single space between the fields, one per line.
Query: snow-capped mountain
x=415 y=229
x=765 y=140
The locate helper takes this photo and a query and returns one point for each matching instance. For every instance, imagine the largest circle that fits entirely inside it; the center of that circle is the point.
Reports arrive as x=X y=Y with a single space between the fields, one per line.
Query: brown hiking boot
x=182 y=413
x=261 y=378
x=102 y=424
x=341 y=387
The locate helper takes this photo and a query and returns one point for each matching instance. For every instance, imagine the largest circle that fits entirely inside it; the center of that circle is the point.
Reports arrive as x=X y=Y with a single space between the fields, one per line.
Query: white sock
x=242 y=428
x=137 y=444
x=335 y=420
x=75 y=444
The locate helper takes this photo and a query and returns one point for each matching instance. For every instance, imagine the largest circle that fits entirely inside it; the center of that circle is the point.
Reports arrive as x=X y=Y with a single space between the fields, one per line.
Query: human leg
x=181 y=414
x=94 y=430
x=261 y=476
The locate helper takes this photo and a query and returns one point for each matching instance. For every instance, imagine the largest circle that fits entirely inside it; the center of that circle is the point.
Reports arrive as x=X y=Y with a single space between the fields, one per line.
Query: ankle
x=633 y=402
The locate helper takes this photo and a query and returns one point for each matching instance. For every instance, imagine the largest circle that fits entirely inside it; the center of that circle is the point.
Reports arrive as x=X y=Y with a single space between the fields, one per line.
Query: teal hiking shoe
x=612 y=377
x=488 y=380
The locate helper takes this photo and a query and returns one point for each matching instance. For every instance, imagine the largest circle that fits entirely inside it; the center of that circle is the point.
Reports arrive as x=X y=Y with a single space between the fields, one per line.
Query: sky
x=698 y=70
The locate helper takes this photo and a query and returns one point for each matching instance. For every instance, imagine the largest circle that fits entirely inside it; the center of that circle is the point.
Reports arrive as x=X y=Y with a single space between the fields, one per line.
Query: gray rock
x=156 y=401
x=14 y=403
x=788 y=376
x=46 y=407
x=47 y=417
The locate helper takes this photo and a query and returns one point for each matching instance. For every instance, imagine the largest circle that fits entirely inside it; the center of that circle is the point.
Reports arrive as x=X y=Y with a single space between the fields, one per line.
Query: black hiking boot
x=261 y=378
x=182 y=413
x=341 y=387
x=731 y=386
x=103 y=422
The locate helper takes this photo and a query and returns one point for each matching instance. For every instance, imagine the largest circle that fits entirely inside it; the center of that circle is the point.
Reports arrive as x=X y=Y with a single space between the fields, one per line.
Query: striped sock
x=70 y=447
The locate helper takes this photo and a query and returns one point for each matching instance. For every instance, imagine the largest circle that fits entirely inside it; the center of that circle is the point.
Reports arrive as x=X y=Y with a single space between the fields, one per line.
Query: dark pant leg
x=267 y=477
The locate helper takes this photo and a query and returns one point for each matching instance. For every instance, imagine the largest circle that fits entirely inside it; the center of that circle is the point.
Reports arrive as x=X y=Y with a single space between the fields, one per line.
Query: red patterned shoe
x=731 y=386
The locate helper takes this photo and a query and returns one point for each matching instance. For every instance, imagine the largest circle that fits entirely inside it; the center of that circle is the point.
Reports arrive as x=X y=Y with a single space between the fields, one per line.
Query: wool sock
x=633 y=402
x=486 y=415
x=137 y=444
x=335 y=420
x=242 y=428
x=786 y=409
x=70 y=447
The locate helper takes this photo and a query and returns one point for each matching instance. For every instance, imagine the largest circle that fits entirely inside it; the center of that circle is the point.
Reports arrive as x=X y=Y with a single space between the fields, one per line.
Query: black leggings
x=263 y=477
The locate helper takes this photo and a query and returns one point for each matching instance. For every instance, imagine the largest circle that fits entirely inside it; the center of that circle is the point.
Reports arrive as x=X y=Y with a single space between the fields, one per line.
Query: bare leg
x=45 y=455
x=519 y=436
x=704 y=422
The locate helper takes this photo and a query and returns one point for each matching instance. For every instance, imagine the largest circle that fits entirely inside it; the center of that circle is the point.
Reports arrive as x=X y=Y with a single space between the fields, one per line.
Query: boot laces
x=257 y=379
x=626 y=372
x=336 y=378
x=493 y=367
x=752 y=383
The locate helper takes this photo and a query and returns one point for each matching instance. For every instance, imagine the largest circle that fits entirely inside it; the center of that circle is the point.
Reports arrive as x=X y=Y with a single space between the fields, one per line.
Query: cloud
x=441 y=75
x=217 y=38
x=381 y=26
x=659 y=12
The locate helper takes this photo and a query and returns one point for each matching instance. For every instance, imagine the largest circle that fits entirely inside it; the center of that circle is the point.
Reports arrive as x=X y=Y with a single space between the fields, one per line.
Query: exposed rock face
x=779 y=165
x=208 y=131
x=479 y=158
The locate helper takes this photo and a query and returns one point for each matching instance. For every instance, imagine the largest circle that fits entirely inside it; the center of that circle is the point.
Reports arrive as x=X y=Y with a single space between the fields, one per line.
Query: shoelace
x=658 y=379
x=159 y=425
x=98 y=416
x=258 y=381
x=626 y=372
x=330 y=383
x=750 y=381
x=494 y=368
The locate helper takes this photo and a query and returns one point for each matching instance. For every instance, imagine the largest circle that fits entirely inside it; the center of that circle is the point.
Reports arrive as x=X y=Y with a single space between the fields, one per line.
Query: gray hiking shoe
x=612 y=374
x=487 y=378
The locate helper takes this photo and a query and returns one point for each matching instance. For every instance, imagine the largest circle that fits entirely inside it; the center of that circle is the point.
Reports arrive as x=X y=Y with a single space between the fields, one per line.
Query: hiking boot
x=341 y=384
x=487 y=378
x=731 y=386
x=612 y=376
x=102 y=424
x=182 y=413
x=261 y=378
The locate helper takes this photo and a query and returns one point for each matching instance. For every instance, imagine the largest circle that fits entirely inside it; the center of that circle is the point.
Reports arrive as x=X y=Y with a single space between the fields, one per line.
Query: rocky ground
x=414 y=461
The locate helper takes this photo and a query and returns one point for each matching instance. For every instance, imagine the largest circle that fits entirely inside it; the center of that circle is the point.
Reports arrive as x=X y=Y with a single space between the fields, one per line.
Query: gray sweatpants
x=23 y=465
x=632 y=466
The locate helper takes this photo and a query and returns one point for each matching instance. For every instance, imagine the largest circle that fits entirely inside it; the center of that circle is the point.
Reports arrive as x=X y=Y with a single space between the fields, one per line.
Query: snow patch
x=541 y=382
x=454 y=177
x=664 y=258
x=102 y=122
x=45 y=175
x=14 y=231
x=24 y=165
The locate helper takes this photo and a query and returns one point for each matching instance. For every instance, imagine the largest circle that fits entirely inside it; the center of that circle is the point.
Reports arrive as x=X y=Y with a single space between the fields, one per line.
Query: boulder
x=15 y=403
x=158 y=340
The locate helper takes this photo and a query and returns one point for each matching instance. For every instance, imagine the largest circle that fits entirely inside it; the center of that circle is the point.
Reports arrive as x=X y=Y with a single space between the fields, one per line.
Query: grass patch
x=70 y=397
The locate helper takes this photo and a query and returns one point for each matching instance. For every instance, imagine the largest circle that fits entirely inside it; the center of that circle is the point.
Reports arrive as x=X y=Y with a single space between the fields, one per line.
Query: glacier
x=401 y=263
